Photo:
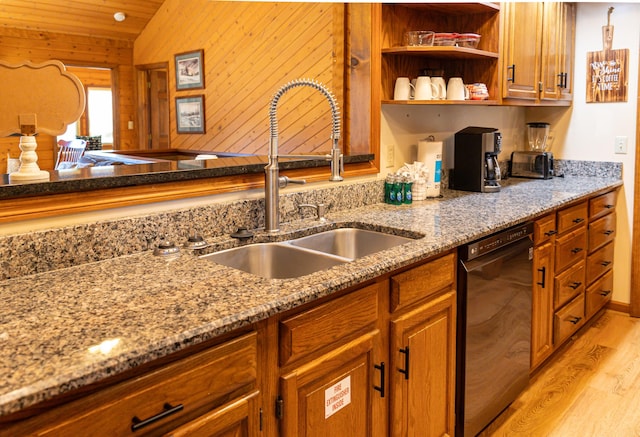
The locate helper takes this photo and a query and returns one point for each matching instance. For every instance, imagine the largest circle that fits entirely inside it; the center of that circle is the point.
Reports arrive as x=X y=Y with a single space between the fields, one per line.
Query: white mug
x=456 y=89
x=425 y=89
x=440 y=92
x=403 y=88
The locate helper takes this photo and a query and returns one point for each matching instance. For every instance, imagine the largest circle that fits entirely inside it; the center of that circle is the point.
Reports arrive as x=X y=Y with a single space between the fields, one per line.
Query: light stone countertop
x=49 y=322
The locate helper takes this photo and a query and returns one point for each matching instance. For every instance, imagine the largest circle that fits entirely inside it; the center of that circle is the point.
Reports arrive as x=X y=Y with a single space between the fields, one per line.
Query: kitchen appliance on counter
x=531 y=164
x=536 y=162
x=493 y=326
x=475 y=166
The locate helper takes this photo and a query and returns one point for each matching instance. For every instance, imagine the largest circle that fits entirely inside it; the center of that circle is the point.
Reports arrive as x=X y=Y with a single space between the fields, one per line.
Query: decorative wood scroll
x=55 y=96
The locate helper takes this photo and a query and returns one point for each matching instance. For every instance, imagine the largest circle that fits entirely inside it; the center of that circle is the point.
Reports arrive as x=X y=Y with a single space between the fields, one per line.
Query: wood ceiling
x=79 y=17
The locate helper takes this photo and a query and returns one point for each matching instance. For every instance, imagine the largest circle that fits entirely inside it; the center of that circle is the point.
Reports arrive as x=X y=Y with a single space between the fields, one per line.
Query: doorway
x=153 y=106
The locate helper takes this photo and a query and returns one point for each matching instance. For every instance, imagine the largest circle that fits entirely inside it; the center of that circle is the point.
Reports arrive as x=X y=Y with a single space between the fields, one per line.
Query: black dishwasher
x=494 y=325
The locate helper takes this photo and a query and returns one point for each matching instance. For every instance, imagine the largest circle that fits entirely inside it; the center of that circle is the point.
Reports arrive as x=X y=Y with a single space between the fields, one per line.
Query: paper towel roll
x=430 y=154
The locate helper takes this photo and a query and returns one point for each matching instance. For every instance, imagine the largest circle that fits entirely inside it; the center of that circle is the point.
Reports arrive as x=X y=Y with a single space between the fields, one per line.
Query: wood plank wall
x=250 y=50
x=19 y=45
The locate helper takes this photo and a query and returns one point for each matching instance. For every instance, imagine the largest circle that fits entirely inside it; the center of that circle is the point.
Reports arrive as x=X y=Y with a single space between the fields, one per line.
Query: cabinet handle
x=560 y=80
x=168 y=411
x=512 y=67
x=576 y=250
x=550 y=233
x=608 y=232
x=608 y=206
x=380 y=387
x=543 y=270
x=405 y=371
x=564 y=79
x=605 y=263
x=575 y=285
x=578 y=220
x=574 y=320
x=605 y=293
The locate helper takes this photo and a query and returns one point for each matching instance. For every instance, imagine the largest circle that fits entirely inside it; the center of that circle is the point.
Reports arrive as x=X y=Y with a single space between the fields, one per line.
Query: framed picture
x=190 y=70
x=190 y=114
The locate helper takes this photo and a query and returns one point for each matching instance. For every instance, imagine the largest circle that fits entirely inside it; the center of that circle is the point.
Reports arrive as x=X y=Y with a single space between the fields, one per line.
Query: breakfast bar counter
x=65 y=329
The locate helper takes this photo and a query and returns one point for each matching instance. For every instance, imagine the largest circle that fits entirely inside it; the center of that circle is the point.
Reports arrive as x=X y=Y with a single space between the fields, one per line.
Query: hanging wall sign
x=607 y=70
x=607 y=76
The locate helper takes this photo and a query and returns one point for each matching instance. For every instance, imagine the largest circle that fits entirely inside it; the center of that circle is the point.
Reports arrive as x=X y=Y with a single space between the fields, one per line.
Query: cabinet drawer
x=603 y=204
x=422 y=281
x=199 y=384
x=572 y=217
x=570 y=248
x=544 y=228
x=328 y=324
x=569 y=284
x=568 y=320
x=599 y=294
x=599 y=262
x=602 y=231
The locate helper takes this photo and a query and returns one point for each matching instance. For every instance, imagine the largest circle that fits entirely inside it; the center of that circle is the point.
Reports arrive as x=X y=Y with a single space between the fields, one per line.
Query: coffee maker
x=475 y=160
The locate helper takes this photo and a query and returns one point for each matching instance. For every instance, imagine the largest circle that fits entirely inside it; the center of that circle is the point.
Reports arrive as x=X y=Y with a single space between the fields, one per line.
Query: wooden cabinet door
x=334 y=394
x=542 y=308
x=522 y=38
x=568 y=31
x=551 y=76
x=422 y=371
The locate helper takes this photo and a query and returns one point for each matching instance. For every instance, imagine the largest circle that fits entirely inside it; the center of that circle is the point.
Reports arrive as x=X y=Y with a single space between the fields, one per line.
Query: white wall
x=588 y=130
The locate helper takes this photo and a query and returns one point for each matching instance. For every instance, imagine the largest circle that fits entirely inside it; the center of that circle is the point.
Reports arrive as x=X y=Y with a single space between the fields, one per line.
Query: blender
x=536 y=162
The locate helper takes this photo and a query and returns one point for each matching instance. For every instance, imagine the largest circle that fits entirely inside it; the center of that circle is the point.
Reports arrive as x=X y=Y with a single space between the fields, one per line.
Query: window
x=100 y=113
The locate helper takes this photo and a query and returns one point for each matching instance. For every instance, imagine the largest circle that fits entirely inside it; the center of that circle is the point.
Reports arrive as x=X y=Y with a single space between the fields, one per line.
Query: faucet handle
x=283 y=181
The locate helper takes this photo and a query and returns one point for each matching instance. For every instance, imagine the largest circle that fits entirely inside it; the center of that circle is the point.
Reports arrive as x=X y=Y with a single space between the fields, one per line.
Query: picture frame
x=189 y=70
x=190 y=115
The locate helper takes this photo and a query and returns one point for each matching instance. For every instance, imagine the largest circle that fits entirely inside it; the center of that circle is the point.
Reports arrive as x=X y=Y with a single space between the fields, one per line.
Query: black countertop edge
x=116 y=176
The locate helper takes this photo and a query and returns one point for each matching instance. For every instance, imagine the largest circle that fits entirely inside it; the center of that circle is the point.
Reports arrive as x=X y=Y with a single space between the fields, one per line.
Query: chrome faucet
x=273 y=181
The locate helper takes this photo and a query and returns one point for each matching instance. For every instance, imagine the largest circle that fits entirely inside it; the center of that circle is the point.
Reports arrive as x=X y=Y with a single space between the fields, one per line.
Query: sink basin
x=350 y=242
x=274 y=260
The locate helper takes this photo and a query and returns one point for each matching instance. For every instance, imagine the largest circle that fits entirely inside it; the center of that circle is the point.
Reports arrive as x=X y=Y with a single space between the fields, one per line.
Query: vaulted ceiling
x=80 y=17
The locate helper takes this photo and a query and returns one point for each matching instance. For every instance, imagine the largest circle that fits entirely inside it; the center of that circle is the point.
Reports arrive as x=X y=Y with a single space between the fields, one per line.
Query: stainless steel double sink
x=306 y=255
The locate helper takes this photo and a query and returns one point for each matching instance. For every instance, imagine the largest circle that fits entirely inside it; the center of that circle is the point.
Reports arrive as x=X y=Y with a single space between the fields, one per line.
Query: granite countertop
x=65 y=329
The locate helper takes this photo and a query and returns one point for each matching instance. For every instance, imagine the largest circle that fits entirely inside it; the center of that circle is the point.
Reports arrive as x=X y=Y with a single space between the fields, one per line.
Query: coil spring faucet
x=273 y=181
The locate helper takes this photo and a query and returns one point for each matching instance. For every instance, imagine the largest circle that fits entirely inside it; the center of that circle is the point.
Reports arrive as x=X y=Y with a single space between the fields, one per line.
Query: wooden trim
x=26 y=208
x=621 y=307
x=634 y=293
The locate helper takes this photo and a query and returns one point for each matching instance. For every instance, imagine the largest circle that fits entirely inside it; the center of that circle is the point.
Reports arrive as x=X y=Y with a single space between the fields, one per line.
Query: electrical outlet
x=391 y=159
x=621 y=145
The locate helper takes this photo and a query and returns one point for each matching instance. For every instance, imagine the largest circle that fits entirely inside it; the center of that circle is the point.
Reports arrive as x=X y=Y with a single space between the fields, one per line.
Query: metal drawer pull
x=380 y=387
x=576 y=250
x=608 y=232
x=578 y=220
x=609 y=206
x=550 y=233
x=605 y=293
x=543 y=270
x=405 y=371
x=560 y=77
x=574 y=320
x=168 y=411
x=605 y=263
x=575 y=285
x=513 y=73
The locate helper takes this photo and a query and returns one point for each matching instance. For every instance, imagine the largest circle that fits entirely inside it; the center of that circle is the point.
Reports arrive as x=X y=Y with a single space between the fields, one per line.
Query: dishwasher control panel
x=497 y=240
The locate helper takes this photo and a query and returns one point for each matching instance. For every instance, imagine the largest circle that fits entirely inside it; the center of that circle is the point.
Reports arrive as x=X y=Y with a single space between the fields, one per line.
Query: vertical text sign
x=337 y=397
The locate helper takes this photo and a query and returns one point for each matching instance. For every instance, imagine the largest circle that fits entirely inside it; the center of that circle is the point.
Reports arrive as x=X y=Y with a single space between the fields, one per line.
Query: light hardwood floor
x=591 y=389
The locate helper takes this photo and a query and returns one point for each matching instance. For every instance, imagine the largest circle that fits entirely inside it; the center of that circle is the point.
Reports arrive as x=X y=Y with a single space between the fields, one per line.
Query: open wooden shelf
x=441 y=102
x=450 y=52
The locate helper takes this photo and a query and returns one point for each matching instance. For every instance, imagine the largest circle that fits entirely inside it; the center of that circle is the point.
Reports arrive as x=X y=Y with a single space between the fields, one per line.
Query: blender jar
x=537 y=134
